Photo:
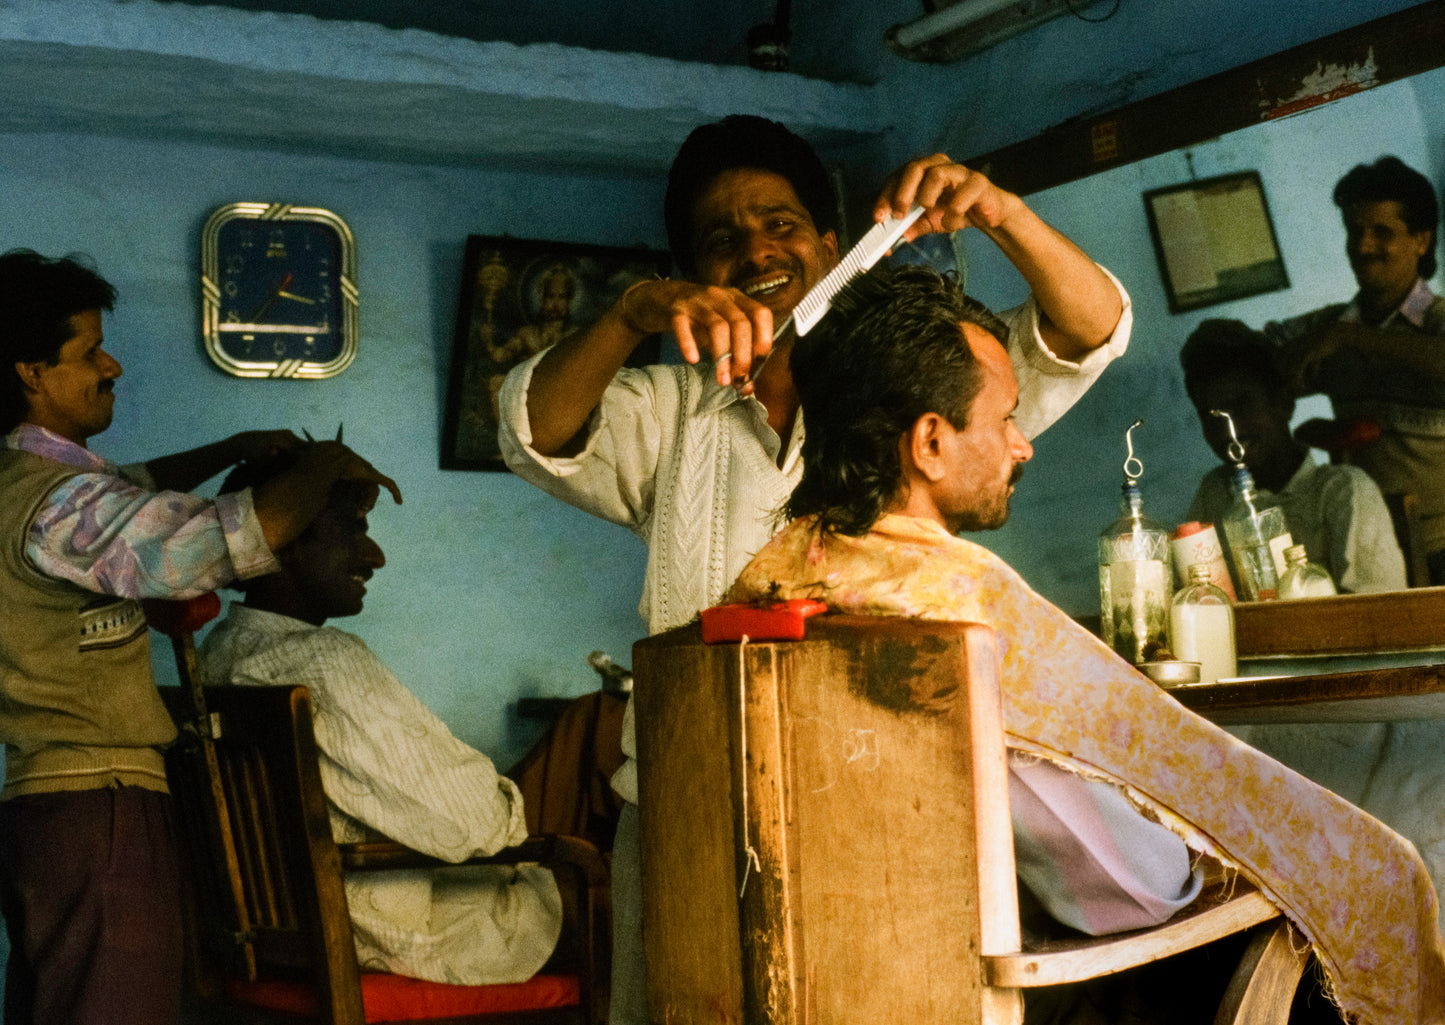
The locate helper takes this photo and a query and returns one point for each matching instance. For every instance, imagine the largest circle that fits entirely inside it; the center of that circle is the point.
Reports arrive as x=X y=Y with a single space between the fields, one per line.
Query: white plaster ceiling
x=294 y=81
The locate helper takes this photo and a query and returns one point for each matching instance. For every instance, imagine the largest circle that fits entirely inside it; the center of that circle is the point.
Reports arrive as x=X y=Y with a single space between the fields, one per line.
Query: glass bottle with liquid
x=1134 y=587
x=1254 y=528
x=1302 y=578
x=1201 y=627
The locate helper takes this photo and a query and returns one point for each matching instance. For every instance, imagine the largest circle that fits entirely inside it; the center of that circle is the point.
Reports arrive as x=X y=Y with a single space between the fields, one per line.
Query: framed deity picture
x=1214 y=240
x=518 y=297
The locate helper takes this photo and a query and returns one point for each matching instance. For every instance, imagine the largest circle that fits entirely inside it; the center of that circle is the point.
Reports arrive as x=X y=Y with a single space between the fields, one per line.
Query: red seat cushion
x=398 y=998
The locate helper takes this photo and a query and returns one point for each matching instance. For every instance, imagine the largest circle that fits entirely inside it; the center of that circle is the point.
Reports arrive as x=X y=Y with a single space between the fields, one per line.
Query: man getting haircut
x=1105 y=811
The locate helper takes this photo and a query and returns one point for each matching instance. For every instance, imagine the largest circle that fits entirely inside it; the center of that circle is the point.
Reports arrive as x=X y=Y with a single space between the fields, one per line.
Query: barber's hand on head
x=255 y=446
x=333 y=459
x=710 y=322
x=360 y=470
x=952 y=197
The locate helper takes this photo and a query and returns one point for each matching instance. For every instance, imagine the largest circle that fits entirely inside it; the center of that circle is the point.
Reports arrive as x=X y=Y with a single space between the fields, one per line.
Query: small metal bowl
x=1172 y=673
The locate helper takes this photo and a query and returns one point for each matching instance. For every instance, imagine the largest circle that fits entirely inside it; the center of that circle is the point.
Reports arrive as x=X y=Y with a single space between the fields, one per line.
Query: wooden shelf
x=1347 y=624
x=1372 y=695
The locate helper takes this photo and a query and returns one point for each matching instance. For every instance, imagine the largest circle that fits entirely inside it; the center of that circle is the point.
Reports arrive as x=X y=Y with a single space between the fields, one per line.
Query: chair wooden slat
x=826 y=837
x=288 y=869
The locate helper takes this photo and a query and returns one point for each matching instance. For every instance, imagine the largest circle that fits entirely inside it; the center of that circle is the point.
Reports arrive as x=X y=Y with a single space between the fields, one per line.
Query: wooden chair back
x=265 y=876
x=826 y=838
x=270 y=897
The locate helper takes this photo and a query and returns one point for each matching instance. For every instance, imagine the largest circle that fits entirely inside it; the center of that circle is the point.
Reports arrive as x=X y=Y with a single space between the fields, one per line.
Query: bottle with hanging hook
x=1255 y=530
x=1134 y=590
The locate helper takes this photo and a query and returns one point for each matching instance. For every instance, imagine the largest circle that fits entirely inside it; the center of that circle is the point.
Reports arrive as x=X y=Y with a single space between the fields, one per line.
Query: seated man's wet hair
x=1390 y=179
x=1218 y=347
x=890 y=350
x=742 y=141
x=38 y=296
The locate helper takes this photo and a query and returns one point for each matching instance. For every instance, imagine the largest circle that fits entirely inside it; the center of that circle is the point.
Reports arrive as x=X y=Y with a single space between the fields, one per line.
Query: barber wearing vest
x=88 y=878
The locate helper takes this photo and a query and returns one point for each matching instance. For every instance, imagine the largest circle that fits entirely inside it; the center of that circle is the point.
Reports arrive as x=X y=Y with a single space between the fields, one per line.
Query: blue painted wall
x=492 y=590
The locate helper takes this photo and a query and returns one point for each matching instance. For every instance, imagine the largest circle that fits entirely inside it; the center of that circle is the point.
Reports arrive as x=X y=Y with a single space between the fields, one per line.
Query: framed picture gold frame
x=518 y=297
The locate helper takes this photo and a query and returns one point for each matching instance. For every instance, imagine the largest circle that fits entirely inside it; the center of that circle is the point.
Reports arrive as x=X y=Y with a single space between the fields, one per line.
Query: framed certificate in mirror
x=1214 y=240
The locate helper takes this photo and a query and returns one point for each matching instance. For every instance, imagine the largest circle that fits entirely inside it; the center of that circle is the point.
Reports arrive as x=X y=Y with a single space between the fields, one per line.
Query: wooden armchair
x=271 y=934
x=826 y=838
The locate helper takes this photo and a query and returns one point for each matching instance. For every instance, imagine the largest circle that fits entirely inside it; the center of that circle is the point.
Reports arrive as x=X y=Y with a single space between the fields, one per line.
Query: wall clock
x=278 y=291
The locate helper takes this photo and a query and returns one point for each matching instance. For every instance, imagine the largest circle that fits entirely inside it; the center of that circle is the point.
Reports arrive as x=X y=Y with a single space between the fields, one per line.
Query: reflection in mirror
x=1069 y=493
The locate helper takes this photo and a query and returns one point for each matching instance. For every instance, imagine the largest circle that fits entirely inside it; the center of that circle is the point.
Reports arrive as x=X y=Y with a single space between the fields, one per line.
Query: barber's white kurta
x=704 y=487
x=706 y=490
x=391 y=768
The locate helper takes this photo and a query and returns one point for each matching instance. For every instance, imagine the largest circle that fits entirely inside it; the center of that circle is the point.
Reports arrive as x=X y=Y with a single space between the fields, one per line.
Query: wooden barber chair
x=269 y=934
x=826 y=839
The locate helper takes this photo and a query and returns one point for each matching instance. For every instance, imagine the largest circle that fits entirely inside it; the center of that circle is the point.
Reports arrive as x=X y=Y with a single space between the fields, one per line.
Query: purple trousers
x=91 y=897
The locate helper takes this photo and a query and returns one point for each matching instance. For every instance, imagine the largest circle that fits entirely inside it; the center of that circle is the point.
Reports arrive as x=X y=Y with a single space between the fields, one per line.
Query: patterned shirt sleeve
x=109 y=535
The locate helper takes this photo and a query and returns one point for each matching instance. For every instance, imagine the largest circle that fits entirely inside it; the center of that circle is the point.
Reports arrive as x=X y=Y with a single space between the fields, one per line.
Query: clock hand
x=271 y=299
x=298 y=298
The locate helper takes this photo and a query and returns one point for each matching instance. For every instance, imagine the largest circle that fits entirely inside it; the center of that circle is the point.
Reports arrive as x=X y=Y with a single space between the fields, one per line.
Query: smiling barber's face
x=752 y=233
x=335 y=557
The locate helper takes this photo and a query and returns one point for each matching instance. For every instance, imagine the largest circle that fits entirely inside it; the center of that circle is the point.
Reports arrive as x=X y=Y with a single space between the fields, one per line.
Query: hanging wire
x=1133 y=468
x=1236 y=449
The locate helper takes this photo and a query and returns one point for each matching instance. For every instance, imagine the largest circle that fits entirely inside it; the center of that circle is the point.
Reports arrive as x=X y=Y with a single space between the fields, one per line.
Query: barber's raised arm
x=188 y=470
x=1081 y=305
x=568 y=382
x=287 y=503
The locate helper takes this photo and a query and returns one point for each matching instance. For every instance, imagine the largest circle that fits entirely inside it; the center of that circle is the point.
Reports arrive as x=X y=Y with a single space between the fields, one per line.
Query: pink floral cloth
x=1356 y=889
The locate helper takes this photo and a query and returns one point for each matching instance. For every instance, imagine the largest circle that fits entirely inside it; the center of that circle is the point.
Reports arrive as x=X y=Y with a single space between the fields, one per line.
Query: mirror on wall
x=1071 y=488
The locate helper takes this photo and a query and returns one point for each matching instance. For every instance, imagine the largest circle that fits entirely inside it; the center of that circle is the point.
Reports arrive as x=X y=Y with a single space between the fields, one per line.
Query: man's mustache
x=1018 y=471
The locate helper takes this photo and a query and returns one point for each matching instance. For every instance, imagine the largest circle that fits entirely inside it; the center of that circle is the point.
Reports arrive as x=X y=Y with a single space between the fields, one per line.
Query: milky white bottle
x=1201 y=627
x=1302 y=578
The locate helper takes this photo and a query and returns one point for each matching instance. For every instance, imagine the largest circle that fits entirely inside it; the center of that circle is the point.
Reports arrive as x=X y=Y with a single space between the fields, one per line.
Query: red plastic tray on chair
x=778 y=621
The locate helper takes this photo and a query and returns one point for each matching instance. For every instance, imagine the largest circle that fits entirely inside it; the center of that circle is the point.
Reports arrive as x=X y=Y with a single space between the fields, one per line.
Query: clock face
x=279 y=289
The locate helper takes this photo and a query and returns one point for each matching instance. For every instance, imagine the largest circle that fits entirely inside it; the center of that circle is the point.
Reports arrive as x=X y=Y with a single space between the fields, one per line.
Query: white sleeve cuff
x=1024 y=321
x=514 y=433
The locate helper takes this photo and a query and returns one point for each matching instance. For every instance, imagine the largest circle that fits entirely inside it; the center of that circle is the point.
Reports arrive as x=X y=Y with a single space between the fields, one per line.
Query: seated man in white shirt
x=1336 y=512
x=389 y=765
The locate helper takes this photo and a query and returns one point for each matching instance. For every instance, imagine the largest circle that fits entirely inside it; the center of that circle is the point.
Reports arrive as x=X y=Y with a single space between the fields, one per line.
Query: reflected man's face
x=1383 y=252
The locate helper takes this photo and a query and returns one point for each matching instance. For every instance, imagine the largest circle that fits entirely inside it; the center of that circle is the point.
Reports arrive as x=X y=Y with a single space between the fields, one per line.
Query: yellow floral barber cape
x=1355 y=888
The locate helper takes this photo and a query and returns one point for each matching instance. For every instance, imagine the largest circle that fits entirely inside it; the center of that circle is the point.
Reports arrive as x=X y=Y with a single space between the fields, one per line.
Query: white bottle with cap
x=1201 y=627
x=1302 y=578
